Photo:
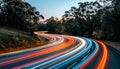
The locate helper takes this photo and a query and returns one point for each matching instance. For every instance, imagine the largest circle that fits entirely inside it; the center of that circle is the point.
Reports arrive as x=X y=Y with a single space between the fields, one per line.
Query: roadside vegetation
x=18 y=20
x=99 y=19
x=13 y=40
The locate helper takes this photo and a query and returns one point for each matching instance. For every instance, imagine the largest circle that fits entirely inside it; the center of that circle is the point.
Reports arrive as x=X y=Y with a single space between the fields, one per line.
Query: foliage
x=18 y=14
x=13 y=39
x=53 y=25
x=99 y=19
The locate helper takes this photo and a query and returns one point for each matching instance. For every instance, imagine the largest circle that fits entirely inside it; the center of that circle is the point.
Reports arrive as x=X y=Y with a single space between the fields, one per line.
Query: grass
x=12 y=40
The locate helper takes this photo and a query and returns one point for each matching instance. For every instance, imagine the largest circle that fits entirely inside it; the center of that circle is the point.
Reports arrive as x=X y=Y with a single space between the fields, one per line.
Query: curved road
x=62 y=52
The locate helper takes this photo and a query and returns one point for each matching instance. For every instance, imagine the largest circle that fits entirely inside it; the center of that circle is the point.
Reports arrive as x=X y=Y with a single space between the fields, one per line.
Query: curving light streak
x=70 y=50
x=26 y=56
x=48 y=59
x=70 y=42
x=102 y=63
x=62 y=57
x=88 y=59
x=51 y=38
x=73 y=58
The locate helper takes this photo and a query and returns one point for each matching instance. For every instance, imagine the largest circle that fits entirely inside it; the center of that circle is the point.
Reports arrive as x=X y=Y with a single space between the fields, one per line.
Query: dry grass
x=12 y=40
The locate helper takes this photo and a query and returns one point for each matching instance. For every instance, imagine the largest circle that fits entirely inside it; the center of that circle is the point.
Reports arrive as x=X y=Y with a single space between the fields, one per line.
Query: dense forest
x=18 y=14
x=99 y=19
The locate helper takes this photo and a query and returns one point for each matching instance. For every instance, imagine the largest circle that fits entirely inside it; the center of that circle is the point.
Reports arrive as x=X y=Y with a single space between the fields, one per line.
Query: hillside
x=12 y=40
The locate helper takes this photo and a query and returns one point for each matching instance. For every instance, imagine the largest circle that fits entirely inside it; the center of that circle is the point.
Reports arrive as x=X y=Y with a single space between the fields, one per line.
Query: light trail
x=103 y=61
x=52 y=40
x=88 y=58
x=91 y=57
x=70 y=42
x=61 y=51
x=63 y=57
x=14 y=59
x=40 y=61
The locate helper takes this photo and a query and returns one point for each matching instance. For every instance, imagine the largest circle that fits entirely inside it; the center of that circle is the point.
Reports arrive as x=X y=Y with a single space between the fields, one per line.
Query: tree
x=53 y=25
x=111 y=22
x=82 y=17
x=18 y=14
x=116 y=16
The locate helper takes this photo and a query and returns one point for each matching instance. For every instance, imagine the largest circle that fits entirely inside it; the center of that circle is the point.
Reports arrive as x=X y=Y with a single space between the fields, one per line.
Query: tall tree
x=18 y=14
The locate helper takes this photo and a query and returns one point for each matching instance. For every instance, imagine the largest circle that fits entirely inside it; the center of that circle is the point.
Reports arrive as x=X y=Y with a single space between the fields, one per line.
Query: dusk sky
x=54 y=8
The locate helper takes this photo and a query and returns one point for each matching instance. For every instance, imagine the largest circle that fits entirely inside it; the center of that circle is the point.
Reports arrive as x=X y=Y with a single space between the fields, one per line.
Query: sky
x=54 y=8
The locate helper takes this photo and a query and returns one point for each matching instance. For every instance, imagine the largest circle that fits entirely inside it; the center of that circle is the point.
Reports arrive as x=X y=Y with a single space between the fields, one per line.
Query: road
x=63 y=52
